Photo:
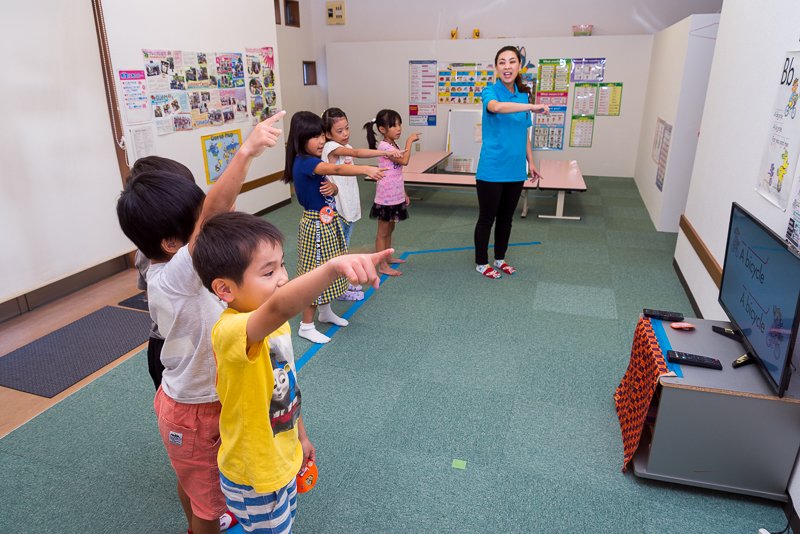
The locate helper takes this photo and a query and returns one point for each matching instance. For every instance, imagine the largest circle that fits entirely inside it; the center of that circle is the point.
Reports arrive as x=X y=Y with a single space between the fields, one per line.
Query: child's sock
x=310 y=332
x=227 y=520
x=355 y=288
x=499 y=263
x=326 y=315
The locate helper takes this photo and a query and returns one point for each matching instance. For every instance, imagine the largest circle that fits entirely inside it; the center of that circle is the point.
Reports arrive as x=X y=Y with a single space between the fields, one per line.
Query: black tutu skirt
x=395 y=213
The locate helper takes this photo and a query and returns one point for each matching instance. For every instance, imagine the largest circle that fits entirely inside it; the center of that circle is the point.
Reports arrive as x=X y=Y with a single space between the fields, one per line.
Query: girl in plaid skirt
x=320 y=236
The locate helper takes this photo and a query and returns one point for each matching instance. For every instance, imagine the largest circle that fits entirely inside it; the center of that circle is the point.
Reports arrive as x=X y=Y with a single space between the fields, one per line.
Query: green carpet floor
x=514 y=376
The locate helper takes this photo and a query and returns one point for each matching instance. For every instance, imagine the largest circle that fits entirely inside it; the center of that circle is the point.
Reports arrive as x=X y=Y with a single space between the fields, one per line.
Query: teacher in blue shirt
x=506 y=147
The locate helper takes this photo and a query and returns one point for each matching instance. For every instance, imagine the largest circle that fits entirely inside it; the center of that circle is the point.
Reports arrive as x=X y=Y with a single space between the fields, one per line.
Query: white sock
x=326 y=315
x=355 y=288
x=499 y=263
x=309 y=331
x=482 y=268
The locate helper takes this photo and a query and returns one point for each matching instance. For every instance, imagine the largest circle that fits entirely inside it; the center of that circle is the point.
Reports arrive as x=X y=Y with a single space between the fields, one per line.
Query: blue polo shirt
x=307 y=184
x=505 y=138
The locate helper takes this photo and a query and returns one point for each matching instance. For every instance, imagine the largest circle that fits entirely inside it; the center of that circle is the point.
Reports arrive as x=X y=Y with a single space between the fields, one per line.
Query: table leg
x=524 y=204
x=560 y=209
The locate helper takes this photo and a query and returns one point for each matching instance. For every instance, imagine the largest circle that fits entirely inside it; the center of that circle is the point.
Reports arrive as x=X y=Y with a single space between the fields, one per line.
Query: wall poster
x=218 y=151
x=779 y=162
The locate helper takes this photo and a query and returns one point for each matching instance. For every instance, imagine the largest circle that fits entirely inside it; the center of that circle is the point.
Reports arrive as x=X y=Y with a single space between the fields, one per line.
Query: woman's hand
x=540 y=108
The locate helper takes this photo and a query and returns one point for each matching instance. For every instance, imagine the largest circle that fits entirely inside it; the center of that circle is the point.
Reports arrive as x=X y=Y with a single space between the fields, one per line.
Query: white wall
x=366 y=77
x=60 y=176
x=252 y=25
x=751 y=43
x=676 y=89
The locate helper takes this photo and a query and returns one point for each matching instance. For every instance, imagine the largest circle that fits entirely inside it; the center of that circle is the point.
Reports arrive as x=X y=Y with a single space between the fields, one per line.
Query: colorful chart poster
x=261 y=79
x=218 y=150
x=422 y=82
x=134 y=96
x=422 y=114
x=548 y=130
x=779 y=162
x=589 y=70
x=463 y=83
x=584 y=99
x=554 y=74
x=609 y=99
x=581 y=133
x=552 y=98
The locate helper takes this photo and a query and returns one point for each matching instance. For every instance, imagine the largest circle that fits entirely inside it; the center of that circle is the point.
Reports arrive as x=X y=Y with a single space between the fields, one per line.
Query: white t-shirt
x=348 y=201
x=185 y=313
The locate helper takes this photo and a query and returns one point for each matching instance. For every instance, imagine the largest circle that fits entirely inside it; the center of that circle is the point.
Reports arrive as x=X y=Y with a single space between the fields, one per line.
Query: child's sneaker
x=227 y=520
x=351 y=295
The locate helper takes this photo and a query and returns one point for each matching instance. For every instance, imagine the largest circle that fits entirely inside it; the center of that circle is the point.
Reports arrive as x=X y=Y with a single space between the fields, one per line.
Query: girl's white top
x=348 y=201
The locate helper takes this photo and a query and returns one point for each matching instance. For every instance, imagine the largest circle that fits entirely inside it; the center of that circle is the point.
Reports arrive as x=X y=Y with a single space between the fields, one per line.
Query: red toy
x=682 y=326
x=307 y=477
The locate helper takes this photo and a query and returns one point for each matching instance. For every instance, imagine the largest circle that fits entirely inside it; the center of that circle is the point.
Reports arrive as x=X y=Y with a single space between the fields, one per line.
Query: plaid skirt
x=317 y=243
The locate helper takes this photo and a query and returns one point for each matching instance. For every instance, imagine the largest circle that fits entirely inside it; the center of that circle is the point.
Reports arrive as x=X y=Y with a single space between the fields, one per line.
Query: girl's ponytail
x=372 y=141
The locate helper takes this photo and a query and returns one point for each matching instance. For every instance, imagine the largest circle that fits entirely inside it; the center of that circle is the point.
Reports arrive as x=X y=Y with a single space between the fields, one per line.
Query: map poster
x=260 y=83
x=779 y=162
x=218 y=151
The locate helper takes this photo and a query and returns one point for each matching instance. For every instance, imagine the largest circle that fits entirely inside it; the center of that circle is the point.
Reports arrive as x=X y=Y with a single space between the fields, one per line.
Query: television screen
x=760 y=292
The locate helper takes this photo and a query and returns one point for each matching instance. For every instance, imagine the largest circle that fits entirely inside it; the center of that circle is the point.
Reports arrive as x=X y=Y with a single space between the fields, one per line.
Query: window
x=277 y=11
x=292 y=13
x=309 y=73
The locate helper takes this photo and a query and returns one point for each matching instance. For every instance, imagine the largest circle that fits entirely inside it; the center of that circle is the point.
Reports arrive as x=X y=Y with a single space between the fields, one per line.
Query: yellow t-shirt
x=260 y=405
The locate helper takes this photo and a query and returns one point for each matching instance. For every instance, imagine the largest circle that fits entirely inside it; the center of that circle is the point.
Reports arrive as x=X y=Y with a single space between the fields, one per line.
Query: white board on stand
x=464 y=140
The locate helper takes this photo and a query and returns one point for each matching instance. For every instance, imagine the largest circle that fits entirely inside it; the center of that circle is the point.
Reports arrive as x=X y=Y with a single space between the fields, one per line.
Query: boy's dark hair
x=157 y=163
x=521 y=87
x=329 y=118
x=304 y=126
x=157 y=205
x=226 y=243
x=386 y=118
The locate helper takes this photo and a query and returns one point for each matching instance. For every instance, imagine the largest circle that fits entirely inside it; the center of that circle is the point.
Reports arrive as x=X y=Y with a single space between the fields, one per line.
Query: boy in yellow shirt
x=239 y=258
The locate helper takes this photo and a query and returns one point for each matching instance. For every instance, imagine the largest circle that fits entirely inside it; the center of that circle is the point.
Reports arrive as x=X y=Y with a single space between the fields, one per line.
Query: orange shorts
x=190 y=433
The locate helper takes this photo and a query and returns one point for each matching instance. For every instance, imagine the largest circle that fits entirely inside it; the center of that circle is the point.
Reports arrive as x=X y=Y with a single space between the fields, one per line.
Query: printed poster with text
x=584 y=99
x=422 y=92
x=581 y=132
x=548 y=129
x=260 y=84
x=463 y=83
x=609 y=99
x=554 y=74
x=588 y=69
x=218 y=151
x=779 y=162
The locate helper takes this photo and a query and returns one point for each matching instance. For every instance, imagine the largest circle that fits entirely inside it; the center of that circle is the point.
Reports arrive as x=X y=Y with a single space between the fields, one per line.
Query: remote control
x=727 y=332
x=693 y=359
x=663 y=315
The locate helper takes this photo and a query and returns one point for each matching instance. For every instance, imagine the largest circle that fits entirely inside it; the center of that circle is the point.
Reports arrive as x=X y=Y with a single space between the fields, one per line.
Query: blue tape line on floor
x=663 y=342
x=307 y=355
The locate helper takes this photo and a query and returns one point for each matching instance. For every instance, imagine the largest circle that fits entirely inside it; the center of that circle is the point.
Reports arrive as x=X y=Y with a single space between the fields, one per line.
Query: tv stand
x=724 y=430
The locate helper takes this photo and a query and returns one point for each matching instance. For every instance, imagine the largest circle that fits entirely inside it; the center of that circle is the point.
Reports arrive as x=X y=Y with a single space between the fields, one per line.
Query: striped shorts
x=265 y=513
x=316 y=244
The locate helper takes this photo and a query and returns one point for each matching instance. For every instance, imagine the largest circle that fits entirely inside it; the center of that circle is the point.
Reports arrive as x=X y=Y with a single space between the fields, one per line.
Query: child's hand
x=309 y=452
x=413 y=138
x=375 y=173
x=360 y=268
x=328 y=189
x=408 y=199
x=263 y=136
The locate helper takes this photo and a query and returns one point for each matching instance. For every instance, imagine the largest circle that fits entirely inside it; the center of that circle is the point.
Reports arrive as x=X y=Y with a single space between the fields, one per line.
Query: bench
x=559 y=176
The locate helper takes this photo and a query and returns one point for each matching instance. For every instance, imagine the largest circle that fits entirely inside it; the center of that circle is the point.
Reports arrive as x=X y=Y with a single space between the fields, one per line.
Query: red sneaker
x=506 y=268
x=491 y=272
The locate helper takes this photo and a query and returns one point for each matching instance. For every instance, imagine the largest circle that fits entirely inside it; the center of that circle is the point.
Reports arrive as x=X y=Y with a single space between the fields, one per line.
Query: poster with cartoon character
x=779 y=163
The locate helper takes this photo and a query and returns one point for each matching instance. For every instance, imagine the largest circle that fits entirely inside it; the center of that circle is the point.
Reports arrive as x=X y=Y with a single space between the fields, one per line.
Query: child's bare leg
x=308 y=330
x=389 y=244
x=186 y=504
x=197 y=525
x=382 y=242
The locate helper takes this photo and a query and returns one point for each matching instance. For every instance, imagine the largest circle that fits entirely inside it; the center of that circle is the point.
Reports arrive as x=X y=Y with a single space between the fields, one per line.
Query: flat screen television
x=760 y=293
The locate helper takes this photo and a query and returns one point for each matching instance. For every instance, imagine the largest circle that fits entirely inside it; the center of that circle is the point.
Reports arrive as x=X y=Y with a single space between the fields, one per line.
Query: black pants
x=497 y=201
x=154 y=365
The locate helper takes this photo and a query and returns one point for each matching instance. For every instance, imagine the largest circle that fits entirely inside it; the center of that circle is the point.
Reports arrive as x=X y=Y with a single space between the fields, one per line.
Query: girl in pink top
x=391 y=200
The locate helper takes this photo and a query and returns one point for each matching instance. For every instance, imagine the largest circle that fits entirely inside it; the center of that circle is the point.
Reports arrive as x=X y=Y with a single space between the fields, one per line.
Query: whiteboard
x=464 y=140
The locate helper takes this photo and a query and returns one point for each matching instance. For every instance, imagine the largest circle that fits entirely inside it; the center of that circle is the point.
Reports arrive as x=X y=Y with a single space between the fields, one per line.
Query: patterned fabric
x=263 y=513
x=634 y=393
x=396 y=213
x=390 y=189
x=317 y=243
